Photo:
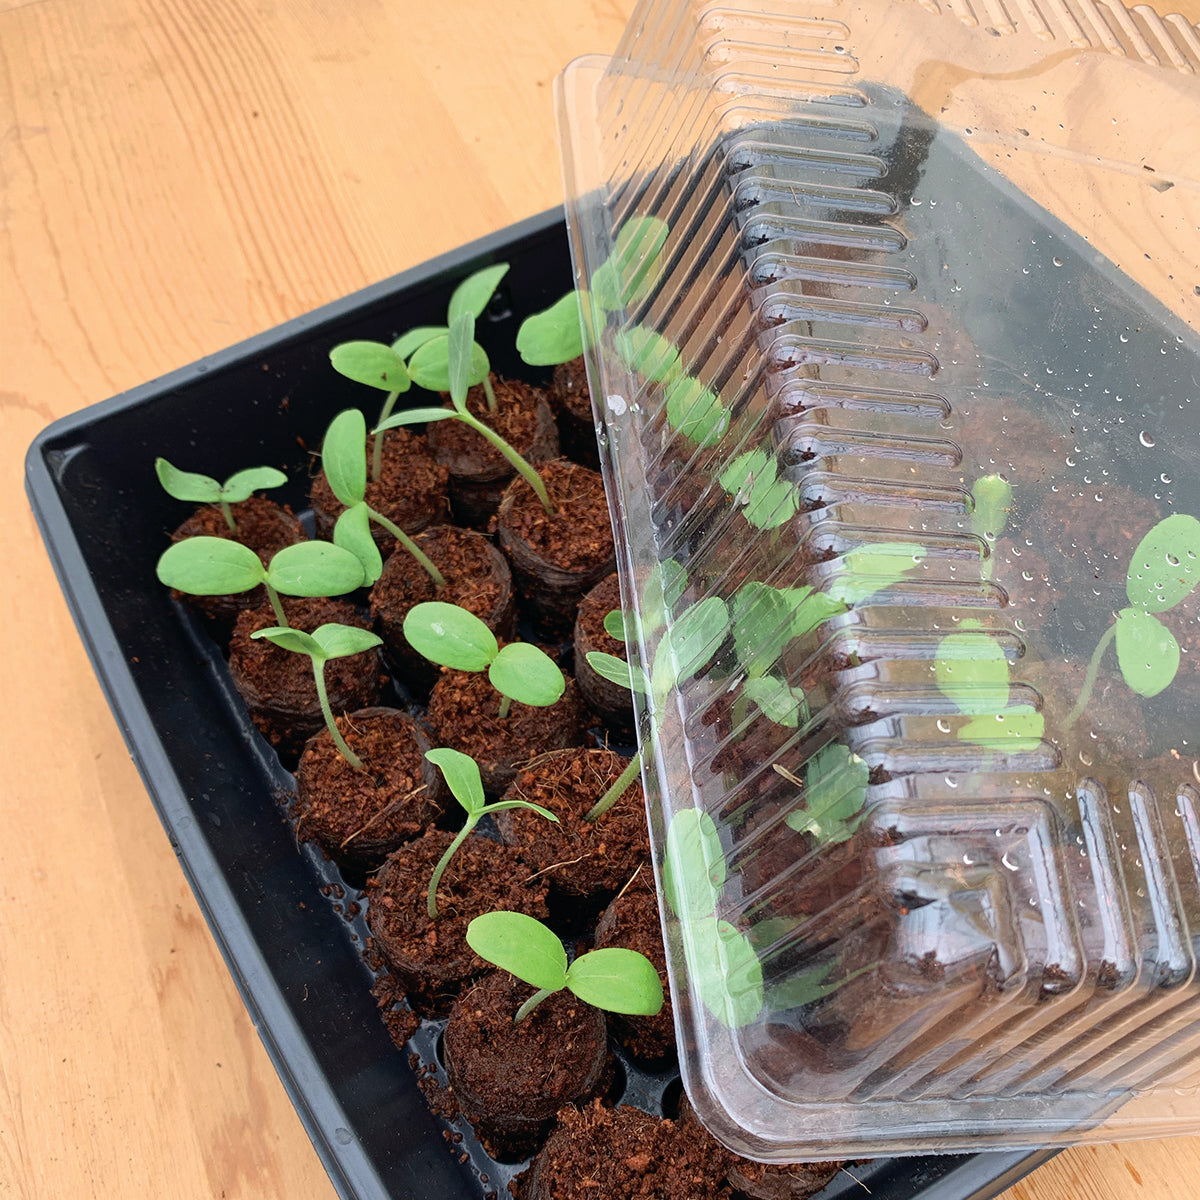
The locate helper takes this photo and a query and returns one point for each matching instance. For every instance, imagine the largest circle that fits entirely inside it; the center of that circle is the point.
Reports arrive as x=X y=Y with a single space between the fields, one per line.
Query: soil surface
x=577 y=537
x=277 y=685
x=579 y=857
x=572 y=403
x=625 y=1152
x=464 y=713
x=363 y=815
x=430 y=958
x=512 y=1078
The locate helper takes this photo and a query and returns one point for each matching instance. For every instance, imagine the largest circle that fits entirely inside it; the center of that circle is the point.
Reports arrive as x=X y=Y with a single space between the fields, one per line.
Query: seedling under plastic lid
x=897 y=361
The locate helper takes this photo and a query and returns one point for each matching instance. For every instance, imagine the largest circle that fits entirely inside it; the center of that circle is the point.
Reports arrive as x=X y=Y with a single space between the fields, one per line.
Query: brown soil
x=410 y=490
x=431 y=959
x=770 y=1181
x=361 y=816
x=632 y=921
x=464 y=713
x=612 y=703
x=478 y=471
x=572 y=403
x=277 y=685
x=511 y=1079
x=557 y=558
x=264 y=526
x=477 y=579
x=578 y=857
x=625 y=1152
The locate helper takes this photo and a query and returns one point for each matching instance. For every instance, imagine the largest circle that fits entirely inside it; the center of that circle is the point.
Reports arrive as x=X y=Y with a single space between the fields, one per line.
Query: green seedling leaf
x=460 y=342
x=352 y=532
x=696 y=412
x=187 y=485
x=412 y=340
x=1147 y=651
x=415 y=416
x=972 y=672
x=688 y=644
x=430 y=366
x=314 y=569
x=340 y=641
x=295 y=640
x=522 y=946
x=475 y=292
x=372 y=363
x=244 y=484
x=780 y=703
x=1019 y=727
x=617 y=980
x=872 y=569
x=834 y=795
x=693 y=865
x=761 y=618
x=633 y=266
x=802 y=988
x=767 y=501
x=614 y=625
x=344 y=457
x=210 y=566
x=450 y=636
x=462 y=776
x=993 y=499
x=724 y=970
x=526 y=674
x=617 y=670
x=1164 y=568
x=648 y=353
x=554 y=335
x=811 y=609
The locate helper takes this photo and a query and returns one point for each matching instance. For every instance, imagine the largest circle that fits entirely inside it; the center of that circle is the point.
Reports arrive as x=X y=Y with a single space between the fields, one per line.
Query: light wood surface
x=174 y=176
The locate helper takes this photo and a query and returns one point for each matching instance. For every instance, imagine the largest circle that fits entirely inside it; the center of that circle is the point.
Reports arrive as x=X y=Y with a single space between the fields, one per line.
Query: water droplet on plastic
x=951 y=782
x=1085 y=758
x=1070 y=461
x=1058 y=262
x=343 y=1136
x=1145 y=438
x=1012 y=866
x=1027 y=576
x=1165 y=477
x=1124 y=337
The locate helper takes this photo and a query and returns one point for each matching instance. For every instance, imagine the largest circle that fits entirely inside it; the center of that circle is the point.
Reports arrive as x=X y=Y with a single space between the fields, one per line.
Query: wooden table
x=174 y=176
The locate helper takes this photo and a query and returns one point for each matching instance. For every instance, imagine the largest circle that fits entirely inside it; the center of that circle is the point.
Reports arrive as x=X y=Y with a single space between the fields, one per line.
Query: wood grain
x=176 y=175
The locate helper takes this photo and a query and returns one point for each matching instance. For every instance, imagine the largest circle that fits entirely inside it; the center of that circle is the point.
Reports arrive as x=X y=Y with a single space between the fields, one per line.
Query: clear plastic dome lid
x=894 y=318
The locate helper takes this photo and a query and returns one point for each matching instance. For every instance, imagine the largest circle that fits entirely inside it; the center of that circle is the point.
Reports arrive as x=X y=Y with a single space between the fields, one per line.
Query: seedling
x=461 y=773
x=203 y=489
x=684 y=648
x=973 y=673
x=325 y=642
x=344 y=459
x=722 y=963
x=557 y=334
x=766 y=500
x=382 y=366
x=452 y=637
x=614 y=979
x=1162 y=573
x=835 y=793
x=430 y=366
x=212 y=566
x=461 y=372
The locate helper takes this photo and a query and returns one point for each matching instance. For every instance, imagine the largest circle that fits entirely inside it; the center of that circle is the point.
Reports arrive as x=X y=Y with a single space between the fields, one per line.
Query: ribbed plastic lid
x=895 y=313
